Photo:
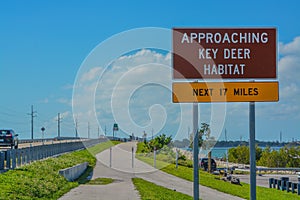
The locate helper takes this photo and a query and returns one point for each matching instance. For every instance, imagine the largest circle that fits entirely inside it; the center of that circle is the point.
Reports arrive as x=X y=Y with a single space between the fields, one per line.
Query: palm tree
x=205 y=130
x=200 y=139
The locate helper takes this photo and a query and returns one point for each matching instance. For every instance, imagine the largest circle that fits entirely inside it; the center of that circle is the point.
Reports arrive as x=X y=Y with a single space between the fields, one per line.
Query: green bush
x=285 y=157
x=241 y=154
x=142 y=148
x=186 y=163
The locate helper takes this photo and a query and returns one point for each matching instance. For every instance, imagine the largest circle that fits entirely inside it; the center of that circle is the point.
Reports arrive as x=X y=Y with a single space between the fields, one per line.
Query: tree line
x=186 y=143
x=287 y=156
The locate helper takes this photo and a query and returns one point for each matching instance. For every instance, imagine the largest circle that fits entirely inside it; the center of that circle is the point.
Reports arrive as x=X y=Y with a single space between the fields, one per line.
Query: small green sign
x=116 y=128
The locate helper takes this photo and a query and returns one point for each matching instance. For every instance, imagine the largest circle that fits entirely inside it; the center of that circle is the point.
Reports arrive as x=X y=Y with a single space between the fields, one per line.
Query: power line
x=44 y=117
x=32 y=114
x=88 y=129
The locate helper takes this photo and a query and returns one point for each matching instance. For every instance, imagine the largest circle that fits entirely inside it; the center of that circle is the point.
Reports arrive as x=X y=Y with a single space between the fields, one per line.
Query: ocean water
x=217 y=152
x=220 y=152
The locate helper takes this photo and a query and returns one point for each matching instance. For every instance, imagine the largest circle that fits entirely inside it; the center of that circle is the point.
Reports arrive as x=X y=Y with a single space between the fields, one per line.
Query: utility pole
x=280 y=137
x=88 y=129
x=152 y=133
x=98 y=132
x=225 y=135
x=105 y=130
x=58 y=125
x=76 y=127
x=32 y=114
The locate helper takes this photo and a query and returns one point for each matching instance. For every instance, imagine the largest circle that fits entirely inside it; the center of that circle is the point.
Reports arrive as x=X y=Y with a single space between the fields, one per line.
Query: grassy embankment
x=213 y=181
x=40 y=180
x=150 y=191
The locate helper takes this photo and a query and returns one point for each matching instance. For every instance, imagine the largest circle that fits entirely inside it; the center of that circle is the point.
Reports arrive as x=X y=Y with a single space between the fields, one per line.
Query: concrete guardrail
x=72 y=173
x=284 y=184
x=13 y=158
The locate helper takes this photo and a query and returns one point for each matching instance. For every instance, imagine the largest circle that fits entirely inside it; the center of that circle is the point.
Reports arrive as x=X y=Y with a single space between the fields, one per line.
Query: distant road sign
x=218 y=53
x=115 y=128
x=184 y=92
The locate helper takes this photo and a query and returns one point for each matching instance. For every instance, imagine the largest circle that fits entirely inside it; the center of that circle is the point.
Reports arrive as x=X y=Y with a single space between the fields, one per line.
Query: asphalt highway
x=263 y=180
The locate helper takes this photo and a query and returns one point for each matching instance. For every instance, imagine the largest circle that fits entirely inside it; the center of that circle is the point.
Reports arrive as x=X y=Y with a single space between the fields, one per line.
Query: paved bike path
x=119 y=164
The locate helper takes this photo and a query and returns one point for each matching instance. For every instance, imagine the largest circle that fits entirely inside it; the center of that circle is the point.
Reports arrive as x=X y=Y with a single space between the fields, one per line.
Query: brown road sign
x=184 y=92
x=218 y=53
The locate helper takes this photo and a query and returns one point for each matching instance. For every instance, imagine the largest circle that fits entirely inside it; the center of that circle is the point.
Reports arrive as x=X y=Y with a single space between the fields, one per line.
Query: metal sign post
x=176 y=158
x=196 y=151
x=110 y=157
x=132 y=157
x=154 y=158
x=252 y=151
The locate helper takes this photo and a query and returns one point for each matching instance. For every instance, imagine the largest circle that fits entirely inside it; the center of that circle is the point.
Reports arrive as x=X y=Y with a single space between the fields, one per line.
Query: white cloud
x=289 y=90
x=68 y=86
x=46 y=100
x=130 y=78
x=290 y=48
x=133 y=84
x=289 y=63
x=62 y=115
x=65 y=114
x=289 y=73
x=289 y=67
x=90 y=75
x=134 y=91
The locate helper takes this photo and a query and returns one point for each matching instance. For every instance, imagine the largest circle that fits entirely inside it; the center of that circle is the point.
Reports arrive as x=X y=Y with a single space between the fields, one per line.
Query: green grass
x=213 y=181
x=99 y=148
x=100 y=181
x=151 y=191
x=40 y=180
x=149 y=160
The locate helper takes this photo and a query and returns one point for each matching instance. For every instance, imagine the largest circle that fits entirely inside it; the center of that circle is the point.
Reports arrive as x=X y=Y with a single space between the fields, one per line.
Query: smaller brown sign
x=205 y=53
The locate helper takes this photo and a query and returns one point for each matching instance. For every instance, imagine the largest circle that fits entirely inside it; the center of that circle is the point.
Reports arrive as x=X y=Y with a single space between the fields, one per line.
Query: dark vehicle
x=9 y=138
x=203 y=163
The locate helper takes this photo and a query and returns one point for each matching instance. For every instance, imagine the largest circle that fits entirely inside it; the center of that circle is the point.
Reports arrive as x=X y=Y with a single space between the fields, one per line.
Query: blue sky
x=44 y=44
